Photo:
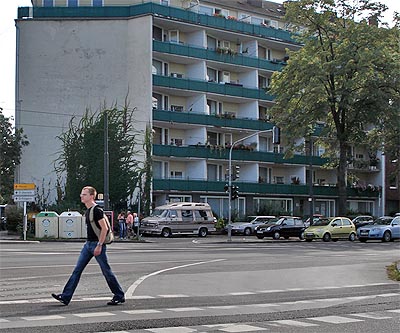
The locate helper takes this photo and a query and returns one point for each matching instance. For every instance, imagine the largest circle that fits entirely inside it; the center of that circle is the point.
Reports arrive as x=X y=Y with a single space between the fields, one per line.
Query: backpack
x=110 y=235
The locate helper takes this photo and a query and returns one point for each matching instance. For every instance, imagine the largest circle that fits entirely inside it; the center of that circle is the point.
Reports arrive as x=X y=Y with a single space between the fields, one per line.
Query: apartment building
x=197 y=72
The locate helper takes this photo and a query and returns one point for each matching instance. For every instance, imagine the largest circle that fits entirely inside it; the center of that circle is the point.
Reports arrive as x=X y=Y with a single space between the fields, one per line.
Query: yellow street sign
x=24 y=186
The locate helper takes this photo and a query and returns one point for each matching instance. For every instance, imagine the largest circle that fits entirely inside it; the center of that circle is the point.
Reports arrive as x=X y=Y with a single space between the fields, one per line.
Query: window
x=205 y=10
x=164 y=2
x=173 y=36
x=263 y=82
x=177 y=108
x=72 y=3
x=176 y=174
x=157 y=33
x=211 y=43
x=226 y=77
x=48 y=3
x=157 y=169
x=157 y=101
x=157 y=67
x=279 y=180
x=176 y=142
x=200 y=215
x=212 y=75
x=187 y=215
x=97 y=3
x=256 y=20
x=346 y=222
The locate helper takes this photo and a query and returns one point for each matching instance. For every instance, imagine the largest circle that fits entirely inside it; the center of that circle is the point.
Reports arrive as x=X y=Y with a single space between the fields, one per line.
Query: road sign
x=24 y=198
x=24 y=192
x=29 y=186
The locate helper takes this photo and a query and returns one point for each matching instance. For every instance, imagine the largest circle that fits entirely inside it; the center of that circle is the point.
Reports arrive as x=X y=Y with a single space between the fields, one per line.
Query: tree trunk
x=342 y=174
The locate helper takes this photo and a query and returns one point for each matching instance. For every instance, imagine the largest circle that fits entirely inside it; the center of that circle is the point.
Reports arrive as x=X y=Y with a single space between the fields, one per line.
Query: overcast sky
x=8 y=12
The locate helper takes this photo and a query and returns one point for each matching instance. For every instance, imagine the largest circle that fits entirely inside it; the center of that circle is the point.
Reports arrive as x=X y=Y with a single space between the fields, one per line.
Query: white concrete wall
x=66 y=66
x=196 y=169
x=196 y=135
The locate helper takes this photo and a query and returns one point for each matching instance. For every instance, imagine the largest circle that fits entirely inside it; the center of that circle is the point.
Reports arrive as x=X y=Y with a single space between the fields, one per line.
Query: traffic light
x=276 y=135
x=235 y=192
x=226 y=188
x=236 y=172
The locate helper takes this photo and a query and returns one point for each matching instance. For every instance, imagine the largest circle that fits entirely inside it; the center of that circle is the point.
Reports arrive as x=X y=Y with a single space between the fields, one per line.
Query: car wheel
x=326 y=237
x=302 y=236
x=352 y=237
x=386 y=237
x=362 y=240
x=166 y=232
x=247 y=232
x=276 y=235
x=202 y=232
x=260 y=236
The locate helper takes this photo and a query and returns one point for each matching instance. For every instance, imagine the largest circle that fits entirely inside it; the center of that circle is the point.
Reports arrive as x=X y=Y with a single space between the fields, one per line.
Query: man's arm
x=102 y=237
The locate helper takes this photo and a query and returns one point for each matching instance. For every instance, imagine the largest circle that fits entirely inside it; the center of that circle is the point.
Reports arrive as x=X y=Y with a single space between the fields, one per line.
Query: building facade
x=197 y=72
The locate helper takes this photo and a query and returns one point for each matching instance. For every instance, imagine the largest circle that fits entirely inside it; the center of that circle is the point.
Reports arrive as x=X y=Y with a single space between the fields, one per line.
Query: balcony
x=219 y=152
x=211 y=87
x=210 y=120
x=172 y=13
x=252 y=188
x=204 y=53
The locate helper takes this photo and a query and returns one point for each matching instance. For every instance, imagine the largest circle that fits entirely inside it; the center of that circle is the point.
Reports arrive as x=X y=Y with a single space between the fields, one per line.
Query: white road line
x=240 y=293
x=240 y=328
x=132 y=288
x=294 y=323
x=395 y=311
x=93 y=314
x=4 y=320
x=335 y=319
x=172 y=296
x=223 y=307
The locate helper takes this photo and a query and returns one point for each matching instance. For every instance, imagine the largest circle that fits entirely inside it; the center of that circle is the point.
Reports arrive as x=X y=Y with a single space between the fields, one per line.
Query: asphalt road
x=191 y=284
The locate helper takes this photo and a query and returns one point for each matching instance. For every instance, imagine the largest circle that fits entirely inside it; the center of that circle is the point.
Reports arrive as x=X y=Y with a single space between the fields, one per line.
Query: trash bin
x=46 y=225
x=70 y=225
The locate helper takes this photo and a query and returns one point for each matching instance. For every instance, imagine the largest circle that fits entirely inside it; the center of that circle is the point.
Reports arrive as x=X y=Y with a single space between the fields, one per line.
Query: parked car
x=361 y=220
x=331 y=228
x=247 y=228
x=385 y=228
x=283 y=226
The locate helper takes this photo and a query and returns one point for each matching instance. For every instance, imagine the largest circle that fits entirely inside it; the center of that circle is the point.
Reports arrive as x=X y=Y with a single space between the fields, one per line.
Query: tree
x=12 y=141
x=81 y=155
x=345 y=76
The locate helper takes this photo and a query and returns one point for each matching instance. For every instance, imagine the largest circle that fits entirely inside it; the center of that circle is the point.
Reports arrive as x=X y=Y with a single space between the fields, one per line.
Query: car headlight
x=269 y=228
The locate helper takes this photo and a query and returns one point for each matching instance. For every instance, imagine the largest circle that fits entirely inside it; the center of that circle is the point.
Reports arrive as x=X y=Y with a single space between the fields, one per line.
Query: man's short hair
x=91 y=190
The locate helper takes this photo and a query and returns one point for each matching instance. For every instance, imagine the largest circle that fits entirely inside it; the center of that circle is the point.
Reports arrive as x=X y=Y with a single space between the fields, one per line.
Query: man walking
x=94 y=247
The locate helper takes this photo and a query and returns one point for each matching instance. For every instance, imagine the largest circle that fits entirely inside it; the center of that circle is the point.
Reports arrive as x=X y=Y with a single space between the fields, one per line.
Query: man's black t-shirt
x=98 y=214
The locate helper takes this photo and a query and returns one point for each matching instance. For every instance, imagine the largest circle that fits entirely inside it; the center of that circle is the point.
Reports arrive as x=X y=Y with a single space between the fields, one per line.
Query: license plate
x=259 y=231
x=364 y=233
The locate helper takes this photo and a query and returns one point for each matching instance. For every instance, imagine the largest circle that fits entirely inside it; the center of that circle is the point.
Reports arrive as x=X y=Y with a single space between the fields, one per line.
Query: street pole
x=310 y=190
x=106 y=164
x=138 y=226
x=230 y=180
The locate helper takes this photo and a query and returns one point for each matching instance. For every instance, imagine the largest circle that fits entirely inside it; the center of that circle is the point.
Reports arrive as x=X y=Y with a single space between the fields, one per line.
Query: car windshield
x=321 y=222
x=158 y=212
x=381 y=220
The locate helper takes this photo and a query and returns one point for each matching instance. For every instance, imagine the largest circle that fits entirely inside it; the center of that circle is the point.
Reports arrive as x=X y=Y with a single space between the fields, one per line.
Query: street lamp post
x=230 y=180
x=106 y=164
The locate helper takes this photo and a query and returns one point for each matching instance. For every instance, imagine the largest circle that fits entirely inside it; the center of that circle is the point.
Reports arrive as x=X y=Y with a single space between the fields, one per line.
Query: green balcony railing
x=210 y=120
x=211 y=87
x=150 y=8
x=201 y=151
x=204 y=53
x=254 y=188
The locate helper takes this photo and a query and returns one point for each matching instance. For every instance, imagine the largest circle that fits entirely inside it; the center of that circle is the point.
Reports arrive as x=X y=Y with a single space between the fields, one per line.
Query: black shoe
x=116 y=301
x=60 y=299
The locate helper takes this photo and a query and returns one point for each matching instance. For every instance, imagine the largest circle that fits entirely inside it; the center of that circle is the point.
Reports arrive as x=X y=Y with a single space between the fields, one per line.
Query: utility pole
x=106 y=164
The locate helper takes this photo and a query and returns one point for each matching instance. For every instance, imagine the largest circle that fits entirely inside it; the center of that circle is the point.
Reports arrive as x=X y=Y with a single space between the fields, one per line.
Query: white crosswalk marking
x=232 y=328
x=53 y=317
x=395 y=311
x=171 y=330
x=335 y=319
x=93 y=314
x=185 y=309
x=141 y=311
x=294 y=323
x=370 y=315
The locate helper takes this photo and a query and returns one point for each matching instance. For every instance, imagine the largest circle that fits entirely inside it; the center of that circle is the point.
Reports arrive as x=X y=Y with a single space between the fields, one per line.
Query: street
x=191 y=284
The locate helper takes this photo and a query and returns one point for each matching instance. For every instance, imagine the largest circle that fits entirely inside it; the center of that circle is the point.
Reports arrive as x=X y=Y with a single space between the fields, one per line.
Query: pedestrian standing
x=129 y=223
x=122 y=225
x=94 y=247
x=136 y=223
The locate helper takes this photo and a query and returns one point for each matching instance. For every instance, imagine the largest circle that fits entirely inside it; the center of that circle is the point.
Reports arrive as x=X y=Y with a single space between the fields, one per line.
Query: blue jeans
x=84 y=258
x=122 y=229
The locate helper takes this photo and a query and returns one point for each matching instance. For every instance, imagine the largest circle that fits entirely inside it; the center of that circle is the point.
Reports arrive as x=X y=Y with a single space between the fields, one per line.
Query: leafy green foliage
x=11 y=144
x=345 y=76
x=82 y=155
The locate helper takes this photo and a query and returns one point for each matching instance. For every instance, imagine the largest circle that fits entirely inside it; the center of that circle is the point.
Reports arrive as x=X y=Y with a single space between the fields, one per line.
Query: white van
x=180 y=218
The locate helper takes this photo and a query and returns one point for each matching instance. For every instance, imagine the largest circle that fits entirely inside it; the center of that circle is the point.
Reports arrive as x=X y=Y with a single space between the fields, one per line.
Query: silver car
x=247 y=228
